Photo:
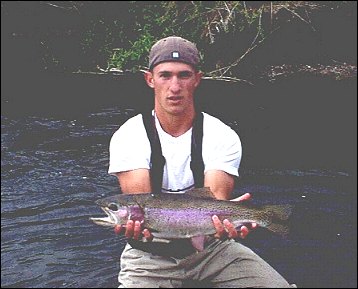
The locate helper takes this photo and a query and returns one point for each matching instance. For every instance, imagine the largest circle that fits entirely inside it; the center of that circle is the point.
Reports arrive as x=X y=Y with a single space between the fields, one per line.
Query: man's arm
x=220 y=183
x=135 y=181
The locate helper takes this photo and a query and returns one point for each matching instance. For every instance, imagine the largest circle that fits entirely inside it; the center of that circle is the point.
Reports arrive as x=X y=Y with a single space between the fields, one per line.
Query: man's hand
x=134 y=230
x=226 y=229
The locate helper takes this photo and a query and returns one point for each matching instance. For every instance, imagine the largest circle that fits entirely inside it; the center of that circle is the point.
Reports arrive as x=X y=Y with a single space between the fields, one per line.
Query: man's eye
x=164 y=75
x=185 y=75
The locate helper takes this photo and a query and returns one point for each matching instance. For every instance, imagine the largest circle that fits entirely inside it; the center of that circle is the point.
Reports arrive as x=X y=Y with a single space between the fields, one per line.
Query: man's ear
x=199 y=76
x=148 y=76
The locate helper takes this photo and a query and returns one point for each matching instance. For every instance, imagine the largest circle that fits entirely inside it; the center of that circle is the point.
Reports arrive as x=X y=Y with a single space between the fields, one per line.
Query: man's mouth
x=175 y=98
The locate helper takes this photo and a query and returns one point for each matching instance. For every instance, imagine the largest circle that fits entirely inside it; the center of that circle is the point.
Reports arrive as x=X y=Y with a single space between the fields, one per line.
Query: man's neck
x=175 y=125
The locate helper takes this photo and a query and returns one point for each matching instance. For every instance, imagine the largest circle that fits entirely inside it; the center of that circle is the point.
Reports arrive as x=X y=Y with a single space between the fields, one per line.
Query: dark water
x=52 y=171
x=53 y=168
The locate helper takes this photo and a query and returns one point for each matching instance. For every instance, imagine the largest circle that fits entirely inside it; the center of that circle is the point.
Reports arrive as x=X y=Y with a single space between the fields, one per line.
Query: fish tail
x=280 y=229
x=279 y=214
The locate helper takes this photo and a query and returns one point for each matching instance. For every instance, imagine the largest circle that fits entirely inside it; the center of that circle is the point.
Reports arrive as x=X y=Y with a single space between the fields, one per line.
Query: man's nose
x=175 y=85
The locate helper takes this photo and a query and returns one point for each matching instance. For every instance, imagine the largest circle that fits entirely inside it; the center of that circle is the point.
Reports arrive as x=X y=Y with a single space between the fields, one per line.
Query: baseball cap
x=173 y=48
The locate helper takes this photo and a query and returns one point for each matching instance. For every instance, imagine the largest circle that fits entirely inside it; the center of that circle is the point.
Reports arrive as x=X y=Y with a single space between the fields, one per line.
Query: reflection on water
x=53 y=170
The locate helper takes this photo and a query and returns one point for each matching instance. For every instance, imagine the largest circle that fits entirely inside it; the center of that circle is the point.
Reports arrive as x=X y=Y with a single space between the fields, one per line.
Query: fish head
x=116 y=214
x=119 y=209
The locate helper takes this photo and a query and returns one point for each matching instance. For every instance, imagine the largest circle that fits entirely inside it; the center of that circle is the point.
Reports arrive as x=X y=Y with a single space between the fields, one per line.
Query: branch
x=297 y=15
x=225 y=69
x=227 y=78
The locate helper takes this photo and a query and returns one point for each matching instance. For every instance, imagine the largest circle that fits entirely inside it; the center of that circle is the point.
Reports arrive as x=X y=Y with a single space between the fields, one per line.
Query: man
x=174 y=77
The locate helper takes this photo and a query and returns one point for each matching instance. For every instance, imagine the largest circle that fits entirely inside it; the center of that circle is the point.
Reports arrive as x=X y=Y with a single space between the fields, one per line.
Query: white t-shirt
x=130 y=149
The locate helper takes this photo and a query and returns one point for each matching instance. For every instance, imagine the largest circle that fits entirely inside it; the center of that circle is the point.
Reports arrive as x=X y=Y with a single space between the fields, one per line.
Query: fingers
x=244 y=231
x=147 y=235
x=231 y=230
x=226 y=229
x=249 y=226
x=244 y=197
x=118 y=229
x=133 y=230
x=129 y=229
x=219 y=227
x=137 y=231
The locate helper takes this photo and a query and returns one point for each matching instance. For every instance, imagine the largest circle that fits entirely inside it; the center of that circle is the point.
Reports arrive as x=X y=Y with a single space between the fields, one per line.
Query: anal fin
x=198 y=242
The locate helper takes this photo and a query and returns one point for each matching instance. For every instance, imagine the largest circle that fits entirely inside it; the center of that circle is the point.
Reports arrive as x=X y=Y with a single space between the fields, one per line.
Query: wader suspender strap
x=157 y=159
x=197 y=163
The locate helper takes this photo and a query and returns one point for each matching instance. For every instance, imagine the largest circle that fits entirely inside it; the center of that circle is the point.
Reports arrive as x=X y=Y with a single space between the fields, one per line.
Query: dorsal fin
x=201 y=193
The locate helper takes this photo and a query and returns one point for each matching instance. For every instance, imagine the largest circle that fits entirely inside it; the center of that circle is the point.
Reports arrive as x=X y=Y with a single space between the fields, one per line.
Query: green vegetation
x=200 y=21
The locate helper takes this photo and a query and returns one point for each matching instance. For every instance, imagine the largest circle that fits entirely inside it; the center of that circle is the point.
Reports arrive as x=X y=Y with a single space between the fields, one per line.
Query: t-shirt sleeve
x=129 y=148
x=222 y=149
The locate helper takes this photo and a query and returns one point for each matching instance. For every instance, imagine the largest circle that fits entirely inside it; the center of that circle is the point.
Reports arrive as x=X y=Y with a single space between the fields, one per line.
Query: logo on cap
x=175 y=54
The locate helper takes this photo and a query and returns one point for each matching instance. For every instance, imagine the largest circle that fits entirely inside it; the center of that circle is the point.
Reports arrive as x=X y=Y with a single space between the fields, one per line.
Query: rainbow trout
x=188 y=215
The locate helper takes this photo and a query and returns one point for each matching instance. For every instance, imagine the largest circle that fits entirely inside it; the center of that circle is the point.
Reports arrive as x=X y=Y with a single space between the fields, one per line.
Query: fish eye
x=113 y=207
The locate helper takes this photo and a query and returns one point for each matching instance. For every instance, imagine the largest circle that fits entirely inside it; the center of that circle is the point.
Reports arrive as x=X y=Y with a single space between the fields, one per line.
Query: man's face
x=174 y=84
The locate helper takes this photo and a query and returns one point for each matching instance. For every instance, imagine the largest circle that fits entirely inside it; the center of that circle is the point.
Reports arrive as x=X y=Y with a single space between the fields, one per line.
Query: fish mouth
x=109 y=220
